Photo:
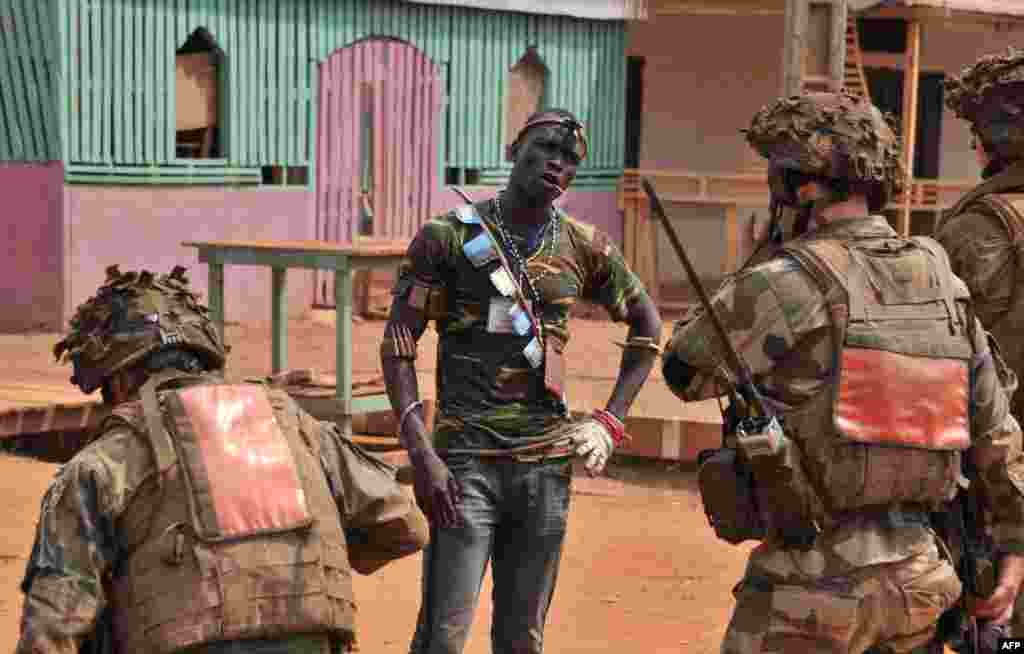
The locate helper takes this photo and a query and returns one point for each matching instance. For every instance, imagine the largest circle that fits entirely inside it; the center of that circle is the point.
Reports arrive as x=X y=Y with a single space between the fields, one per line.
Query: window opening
x=198 y=98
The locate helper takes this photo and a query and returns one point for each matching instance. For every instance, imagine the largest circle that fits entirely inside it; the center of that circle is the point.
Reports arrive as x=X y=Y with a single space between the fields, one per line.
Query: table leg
x=343 y=371
x=215 y=291
x=279 y=318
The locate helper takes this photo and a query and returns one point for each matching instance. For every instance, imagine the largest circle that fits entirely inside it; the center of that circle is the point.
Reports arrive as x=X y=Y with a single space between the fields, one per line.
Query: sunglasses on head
x=570 y=124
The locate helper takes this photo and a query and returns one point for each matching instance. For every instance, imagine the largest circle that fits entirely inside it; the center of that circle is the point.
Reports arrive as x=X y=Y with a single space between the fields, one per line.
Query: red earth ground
x=642 y=571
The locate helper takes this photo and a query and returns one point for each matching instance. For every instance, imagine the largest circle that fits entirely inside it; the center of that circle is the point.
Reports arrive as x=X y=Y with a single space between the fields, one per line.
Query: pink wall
x=30 y=292
x=144 y=227
x=599 y=208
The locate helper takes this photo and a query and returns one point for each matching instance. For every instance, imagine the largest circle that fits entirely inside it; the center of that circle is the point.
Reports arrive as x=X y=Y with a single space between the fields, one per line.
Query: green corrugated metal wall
x=117 y=93
x=29 y=60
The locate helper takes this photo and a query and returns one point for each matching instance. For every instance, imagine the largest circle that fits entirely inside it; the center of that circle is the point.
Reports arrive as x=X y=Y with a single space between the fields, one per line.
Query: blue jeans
x=514 y=515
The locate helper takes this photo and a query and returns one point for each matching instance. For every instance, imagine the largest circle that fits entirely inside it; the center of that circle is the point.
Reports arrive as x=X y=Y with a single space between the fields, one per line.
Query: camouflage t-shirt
x=778 y=320
x=489 y=396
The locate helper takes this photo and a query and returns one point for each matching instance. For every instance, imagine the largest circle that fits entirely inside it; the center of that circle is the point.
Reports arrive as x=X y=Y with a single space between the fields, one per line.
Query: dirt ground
x=641 y=572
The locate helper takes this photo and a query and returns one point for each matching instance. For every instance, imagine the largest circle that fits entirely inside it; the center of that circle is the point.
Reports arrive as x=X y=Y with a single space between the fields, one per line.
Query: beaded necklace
x=551 y=226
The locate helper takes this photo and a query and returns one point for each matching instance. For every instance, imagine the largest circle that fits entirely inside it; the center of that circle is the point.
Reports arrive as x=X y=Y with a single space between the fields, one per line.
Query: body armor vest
x=1008 y=328
x=891 y=427
x=243 y=538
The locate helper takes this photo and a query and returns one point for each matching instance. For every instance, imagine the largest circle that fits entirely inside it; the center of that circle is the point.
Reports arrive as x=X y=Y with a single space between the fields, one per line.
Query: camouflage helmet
x=833 y=135
x=990 y=96
x=132 y=315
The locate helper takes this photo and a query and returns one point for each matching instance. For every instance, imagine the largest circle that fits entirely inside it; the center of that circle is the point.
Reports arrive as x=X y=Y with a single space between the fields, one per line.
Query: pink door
x=377 y=144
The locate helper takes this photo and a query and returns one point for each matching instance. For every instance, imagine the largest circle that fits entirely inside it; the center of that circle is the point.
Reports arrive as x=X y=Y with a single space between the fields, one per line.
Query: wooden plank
x=365 y=247
x=909 y=132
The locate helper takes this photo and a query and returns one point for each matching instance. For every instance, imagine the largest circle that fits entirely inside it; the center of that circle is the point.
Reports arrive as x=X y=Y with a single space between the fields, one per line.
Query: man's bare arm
x=639 y=356
x=398 y=361
x=437 y=492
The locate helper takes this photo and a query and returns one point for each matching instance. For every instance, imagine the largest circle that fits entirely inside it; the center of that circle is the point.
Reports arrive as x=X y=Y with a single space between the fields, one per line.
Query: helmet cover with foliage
x=131 y=316
x=836 y=136
x=990 y=96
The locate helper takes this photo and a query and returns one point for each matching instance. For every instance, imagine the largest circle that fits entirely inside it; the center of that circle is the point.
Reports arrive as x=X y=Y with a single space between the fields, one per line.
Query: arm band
x=400 y=344
x=405 y=414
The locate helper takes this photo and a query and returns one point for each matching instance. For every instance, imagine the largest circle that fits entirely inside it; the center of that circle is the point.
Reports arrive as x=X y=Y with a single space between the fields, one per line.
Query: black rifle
x=977 y=570
x=753 y=416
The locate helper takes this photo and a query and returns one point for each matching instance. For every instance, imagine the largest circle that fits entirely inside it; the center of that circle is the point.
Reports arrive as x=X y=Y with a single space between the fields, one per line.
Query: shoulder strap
x=159 y=437
x=827 y=261
x=1007 y=212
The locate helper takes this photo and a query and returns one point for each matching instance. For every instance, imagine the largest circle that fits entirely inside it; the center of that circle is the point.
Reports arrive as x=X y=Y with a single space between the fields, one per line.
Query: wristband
x=613 y=425
x=405 y=414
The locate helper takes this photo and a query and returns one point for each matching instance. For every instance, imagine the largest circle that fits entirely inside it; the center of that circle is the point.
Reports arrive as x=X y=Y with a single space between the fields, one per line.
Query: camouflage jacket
x=80 y=537
x=488 y=394
x=779 y=322
x=983 y=255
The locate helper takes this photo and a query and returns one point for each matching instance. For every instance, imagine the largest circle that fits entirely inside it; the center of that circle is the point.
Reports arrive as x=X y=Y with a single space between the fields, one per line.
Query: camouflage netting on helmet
x=833 y=135
x=990 y=95
x=132 y=315
x=968 y=92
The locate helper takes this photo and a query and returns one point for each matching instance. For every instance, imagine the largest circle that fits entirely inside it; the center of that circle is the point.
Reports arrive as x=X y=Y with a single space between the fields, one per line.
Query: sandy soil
x=642 y=571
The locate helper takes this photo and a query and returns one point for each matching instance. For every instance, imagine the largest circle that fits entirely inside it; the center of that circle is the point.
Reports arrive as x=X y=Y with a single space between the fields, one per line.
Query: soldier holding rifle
x=861 y=381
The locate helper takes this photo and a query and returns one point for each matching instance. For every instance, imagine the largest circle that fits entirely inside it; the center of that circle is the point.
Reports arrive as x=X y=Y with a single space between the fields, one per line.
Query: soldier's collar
x=860 y=227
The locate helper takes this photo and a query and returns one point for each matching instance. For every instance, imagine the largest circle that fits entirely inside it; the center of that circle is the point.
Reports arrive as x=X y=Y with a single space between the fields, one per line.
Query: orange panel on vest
x=896 y=399
x=242 y=462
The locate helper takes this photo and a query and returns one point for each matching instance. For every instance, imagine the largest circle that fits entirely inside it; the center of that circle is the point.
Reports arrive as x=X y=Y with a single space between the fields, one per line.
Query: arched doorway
x=377 y=144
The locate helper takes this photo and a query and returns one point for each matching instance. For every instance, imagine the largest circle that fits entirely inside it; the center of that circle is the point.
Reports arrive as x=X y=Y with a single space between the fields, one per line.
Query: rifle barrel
x=740 y=369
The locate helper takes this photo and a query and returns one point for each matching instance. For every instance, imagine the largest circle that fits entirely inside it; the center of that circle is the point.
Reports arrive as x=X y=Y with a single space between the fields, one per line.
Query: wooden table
x=279 y=256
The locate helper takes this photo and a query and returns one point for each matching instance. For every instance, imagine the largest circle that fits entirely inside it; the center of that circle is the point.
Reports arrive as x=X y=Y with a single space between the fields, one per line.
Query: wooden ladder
x=855 y=81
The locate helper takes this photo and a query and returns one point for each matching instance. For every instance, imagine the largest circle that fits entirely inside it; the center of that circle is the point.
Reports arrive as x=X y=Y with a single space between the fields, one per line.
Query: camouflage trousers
x=892 y=608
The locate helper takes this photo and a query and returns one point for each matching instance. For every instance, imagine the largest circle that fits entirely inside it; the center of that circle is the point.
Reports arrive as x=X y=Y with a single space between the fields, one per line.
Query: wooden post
x=343 y=345
x=215 y=293
x=837 y=46
x=732 y=240
x=279 y=319
x=911 y=73
x=793 y=47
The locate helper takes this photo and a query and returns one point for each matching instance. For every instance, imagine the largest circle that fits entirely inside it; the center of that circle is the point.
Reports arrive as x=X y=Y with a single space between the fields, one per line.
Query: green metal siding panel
x=119 y=100
x=30 y=77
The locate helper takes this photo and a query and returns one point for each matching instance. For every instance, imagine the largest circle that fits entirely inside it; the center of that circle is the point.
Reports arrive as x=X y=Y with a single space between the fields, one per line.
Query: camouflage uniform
x=982 y=239
x=514 y=512
x=92 y=578
x=488 y=395
x=873 y=575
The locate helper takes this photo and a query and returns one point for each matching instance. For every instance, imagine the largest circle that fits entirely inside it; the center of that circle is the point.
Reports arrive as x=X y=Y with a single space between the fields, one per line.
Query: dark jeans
x=514 y=515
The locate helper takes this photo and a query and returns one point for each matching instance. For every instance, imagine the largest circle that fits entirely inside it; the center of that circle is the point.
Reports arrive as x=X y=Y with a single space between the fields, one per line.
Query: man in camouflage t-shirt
x=494 y=476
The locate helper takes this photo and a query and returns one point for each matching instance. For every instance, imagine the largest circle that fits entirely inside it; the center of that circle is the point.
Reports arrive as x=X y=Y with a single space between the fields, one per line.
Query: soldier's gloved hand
x=998 y=608
x=437 y=492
